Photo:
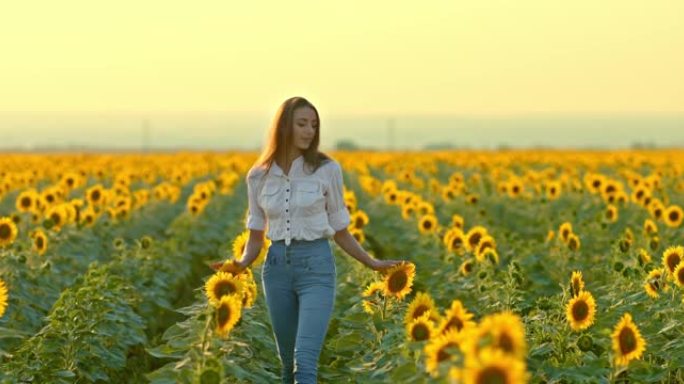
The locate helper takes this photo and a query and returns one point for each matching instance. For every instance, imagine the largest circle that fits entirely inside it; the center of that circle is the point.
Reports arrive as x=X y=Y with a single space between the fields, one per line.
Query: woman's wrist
x=242 y=263
x=370 y=261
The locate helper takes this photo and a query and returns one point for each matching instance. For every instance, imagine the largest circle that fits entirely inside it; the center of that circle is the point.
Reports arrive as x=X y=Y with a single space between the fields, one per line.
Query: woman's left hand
x=383 y=265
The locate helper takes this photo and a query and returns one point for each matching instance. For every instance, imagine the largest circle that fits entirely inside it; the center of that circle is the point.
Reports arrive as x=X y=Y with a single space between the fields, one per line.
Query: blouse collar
x=277 y=171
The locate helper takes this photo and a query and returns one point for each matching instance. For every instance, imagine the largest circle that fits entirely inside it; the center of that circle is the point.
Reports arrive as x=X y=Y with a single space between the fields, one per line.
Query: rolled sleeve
x=256 y=219
x=338 y=215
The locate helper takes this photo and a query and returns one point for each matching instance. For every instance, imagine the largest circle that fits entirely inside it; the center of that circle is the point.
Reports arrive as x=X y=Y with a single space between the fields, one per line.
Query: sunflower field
x=521 y=266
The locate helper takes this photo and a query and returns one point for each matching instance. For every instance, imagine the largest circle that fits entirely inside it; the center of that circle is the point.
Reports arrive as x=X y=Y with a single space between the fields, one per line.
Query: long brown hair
x=279 y=143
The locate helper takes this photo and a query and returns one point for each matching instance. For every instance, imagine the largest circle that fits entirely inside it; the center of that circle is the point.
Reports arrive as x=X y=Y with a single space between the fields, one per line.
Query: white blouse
x=299 y=205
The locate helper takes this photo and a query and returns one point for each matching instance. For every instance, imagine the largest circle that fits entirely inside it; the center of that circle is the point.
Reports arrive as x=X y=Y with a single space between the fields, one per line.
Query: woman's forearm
x=349 y=244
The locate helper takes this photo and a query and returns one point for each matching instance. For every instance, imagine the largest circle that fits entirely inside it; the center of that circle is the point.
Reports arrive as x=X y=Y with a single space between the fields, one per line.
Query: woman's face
x=304 y=128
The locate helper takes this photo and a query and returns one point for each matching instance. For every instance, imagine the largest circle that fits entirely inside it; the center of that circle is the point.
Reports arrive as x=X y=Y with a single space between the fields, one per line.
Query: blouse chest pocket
x=269 y=199
x=307 y=194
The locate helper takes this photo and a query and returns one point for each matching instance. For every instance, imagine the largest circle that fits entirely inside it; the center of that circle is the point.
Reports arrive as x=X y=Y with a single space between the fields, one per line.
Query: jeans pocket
x=323 y=264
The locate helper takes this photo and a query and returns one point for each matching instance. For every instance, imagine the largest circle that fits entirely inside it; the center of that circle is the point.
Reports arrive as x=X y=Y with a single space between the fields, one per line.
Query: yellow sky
x=352 y=57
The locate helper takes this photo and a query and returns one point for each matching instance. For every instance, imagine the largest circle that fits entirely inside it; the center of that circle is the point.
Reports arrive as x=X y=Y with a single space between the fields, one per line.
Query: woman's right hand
x=231 y=266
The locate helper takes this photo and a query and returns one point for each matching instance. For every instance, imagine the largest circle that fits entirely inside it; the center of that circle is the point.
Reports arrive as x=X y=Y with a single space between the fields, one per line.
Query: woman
x=298 y=192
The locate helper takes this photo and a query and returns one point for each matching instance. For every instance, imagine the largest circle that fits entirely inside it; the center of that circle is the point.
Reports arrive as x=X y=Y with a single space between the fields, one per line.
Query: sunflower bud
x=654 y=243
x=585 y=343
x=48 y=223
x=119 y=244
x=624 y=245
x=145 y=242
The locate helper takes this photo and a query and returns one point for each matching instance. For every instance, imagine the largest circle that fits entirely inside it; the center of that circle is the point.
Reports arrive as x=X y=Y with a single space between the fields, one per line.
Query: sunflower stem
x=384 y=305
x=204 y=340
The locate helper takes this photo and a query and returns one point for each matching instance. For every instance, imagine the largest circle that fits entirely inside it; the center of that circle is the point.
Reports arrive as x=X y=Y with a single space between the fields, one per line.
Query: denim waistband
x=297 y=241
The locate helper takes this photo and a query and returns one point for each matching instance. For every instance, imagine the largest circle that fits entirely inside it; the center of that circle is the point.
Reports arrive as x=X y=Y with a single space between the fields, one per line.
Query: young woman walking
x=298 y=192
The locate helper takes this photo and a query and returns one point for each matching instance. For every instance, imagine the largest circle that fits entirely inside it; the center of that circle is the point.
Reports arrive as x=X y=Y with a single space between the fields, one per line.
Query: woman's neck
x=288 y=161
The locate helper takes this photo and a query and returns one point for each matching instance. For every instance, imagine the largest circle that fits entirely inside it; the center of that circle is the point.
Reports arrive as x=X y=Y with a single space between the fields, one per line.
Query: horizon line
x=528 y=114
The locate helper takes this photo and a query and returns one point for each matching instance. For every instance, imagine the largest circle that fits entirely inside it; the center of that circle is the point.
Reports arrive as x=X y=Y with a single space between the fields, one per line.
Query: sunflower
x=358 y=235
x=391 y=197
x=655 y=207
x=611 y=213
x=671 y=257
x=515 y=187
x=580 y=311
x=502 y=187
x=222 y=284
x=639 y=194
x=576 y=283
x=473 y=237
x=487 y=242
x=350 y=200
x=440 y=349
x=494 y=366
x=8 y=231
x=457 y=221
x=373 y=288
x=550 y=235
x=573 y=242
x=564 y=231
x=594 y=182
x=448 y=234
x=228 y=312
x=678 y=274
x=40 y=241
x=399 y=279
x=650 y=227
x=503 y=330
x=57 y=215
x=456 y=178
x=249 y=293
x=420 y=304
x=425 y=208
x=95 y=195
x=88 y=217
x=627 y=341
x=466 y=267
x=239 y=245
x=359 y=219
x=420 y=328
x=673 y=216
x=490 y=255
x=27 y=201
x=448 y=193
x=367 y=306
x=49 y=195
x=553 y=190
x=654 y=282
x=427 y=224
x=472 y=198
x=644 y=257
x=3 y=297
x=654 y=243
x=407 y=210
x=455 y=375
x=454 y=240
x=456 y=318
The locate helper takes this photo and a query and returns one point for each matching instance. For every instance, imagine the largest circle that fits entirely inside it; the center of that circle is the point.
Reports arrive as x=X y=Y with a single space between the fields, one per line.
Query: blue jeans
x=299 y=283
